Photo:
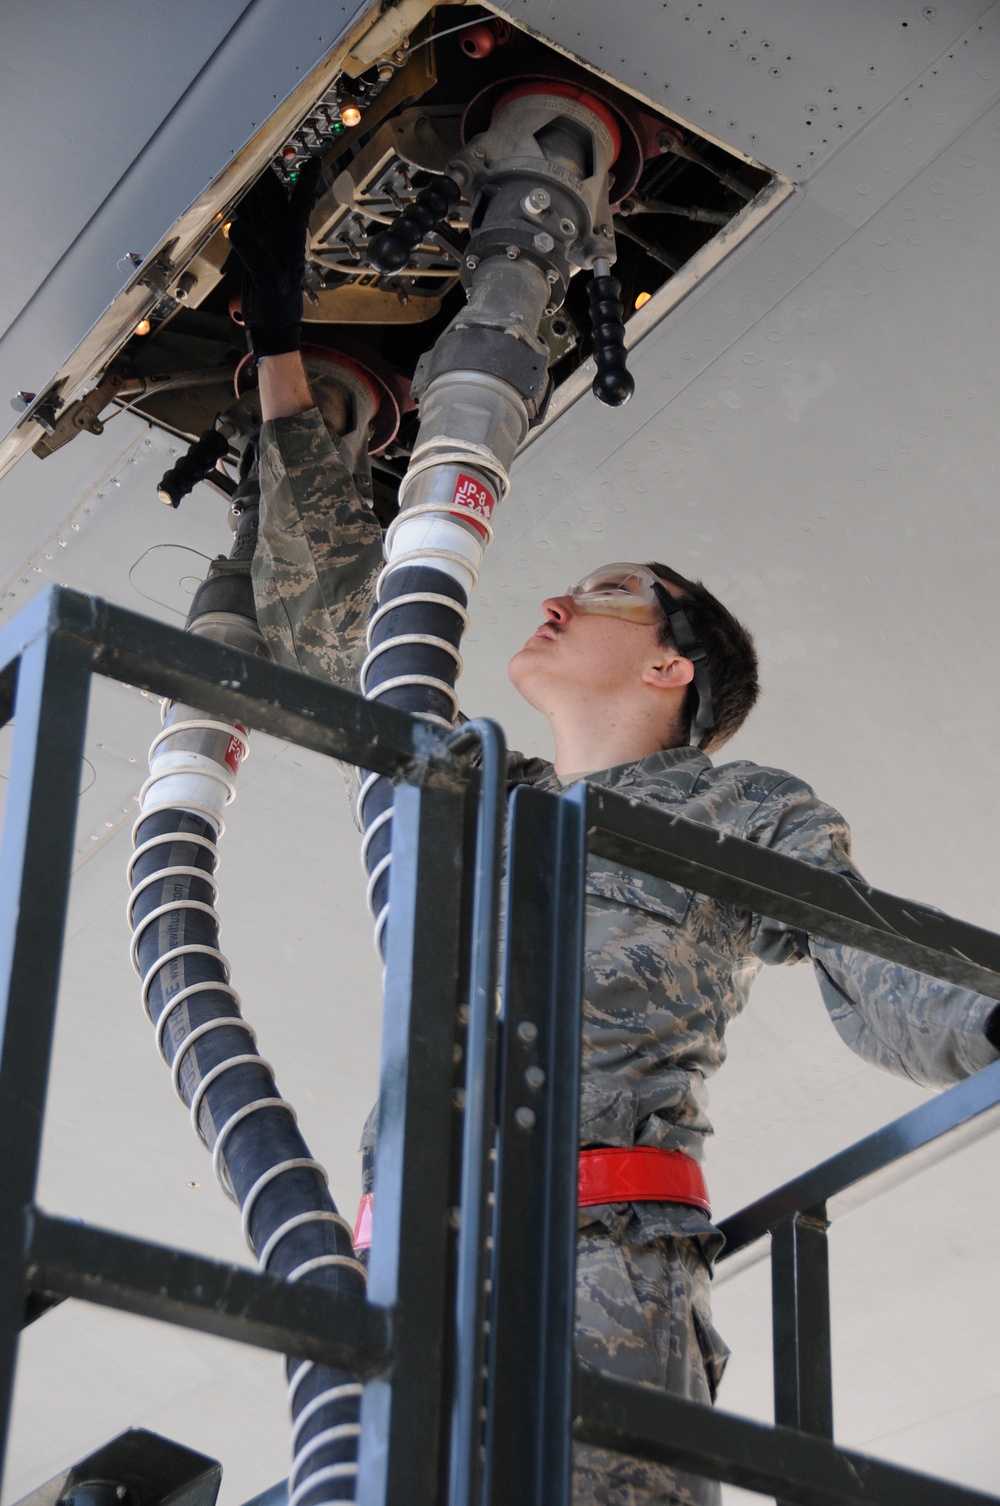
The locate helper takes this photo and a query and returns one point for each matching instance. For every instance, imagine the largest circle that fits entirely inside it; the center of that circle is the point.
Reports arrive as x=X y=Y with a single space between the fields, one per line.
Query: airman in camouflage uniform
x=666 y=969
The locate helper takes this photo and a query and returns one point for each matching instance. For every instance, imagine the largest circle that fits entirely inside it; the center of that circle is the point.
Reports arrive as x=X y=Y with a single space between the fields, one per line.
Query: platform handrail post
x=528 y=1445
x=404 y=1414
x=800 y=1309
x=50 y=715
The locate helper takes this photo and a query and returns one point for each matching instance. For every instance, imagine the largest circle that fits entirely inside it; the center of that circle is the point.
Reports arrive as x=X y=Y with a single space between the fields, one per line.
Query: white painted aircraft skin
x=814 y=431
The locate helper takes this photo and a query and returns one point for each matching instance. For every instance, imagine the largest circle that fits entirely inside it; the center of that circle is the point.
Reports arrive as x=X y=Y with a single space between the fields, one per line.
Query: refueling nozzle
x=534 y=186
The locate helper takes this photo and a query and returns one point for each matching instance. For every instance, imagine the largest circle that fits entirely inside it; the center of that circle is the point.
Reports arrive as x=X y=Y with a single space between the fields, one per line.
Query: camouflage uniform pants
x=643 y=1314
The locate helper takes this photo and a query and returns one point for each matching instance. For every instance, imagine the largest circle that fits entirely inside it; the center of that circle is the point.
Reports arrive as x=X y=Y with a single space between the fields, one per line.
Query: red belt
x=363 y=1223
x=644 y=1174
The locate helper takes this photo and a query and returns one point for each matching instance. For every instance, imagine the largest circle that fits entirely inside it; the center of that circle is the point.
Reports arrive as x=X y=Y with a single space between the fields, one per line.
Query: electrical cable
x=465 y=26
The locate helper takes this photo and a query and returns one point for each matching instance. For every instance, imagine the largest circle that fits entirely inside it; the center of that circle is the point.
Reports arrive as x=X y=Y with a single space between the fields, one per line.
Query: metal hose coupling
x=259 y=1156
x=536 y=182
x=471 y=426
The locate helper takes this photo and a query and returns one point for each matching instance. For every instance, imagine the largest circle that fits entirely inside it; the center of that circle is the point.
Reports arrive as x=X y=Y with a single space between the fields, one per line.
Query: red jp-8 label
x=477 y=497
x=237 y=748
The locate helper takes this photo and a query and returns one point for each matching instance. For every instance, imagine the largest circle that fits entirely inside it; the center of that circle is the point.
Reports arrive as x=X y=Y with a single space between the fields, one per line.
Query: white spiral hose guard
x=471 y=426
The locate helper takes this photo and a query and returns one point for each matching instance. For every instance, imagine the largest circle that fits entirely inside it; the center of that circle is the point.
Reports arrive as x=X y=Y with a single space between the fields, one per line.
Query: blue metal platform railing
x=796 y=1461
x=437 y=1263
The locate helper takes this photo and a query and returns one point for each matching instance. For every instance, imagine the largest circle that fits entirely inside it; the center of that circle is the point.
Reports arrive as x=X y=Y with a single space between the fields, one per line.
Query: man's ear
x=668 y=670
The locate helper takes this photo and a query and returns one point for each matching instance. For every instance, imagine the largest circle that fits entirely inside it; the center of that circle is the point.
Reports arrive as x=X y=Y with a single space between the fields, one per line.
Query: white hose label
x=471 y=493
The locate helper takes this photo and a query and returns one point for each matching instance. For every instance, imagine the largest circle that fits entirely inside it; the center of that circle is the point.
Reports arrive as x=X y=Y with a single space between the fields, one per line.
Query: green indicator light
x=338 y=128
x=293 y=177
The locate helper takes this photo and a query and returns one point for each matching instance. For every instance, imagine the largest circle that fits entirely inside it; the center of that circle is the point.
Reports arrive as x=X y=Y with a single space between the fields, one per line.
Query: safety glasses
x=622 y=590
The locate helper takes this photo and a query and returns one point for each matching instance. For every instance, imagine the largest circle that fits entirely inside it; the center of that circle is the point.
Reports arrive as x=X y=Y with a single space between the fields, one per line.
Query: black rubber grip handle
x=390 y=250
x=613 y=383
x=193 y=466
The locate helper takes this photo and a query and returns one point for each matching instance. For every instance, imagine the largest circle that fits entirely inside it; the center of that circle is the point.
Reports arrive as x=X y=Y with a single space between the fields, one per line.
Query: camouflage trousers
x=643 y=1314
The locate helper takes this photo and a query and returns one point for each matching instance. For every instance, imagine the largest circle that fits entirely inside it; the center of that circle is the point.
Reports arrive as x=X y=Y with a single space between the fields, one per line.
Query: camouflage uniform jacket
x=666 y=969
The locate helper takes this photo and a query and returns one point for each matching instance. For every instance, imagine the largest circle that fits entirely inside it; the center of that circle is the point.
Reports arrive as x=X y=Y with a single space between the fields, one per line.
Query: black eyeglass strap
x=703 y=720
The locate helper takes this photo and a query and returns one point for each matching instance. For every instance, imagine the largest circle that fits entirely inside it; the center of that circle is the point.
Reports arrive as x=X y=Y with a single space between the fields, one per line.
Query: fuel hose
x=259 y=1155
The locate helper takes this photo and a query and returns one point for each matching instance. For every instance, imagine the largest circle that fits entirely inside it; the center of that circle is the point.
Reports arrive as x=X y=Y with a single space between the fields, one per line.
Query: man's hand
x=268 y=234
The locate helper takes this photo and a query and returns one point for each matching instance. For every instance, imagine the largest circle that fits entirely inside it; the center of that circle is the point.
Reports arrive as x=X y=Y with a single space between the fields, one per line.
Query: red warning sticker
x=236 y=751
x=473 y=494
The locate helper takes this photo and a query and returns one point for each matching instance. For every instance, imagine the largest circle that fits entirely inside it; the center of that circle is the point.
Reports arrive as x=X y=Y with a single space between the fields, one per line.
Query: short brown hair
x=730 y=656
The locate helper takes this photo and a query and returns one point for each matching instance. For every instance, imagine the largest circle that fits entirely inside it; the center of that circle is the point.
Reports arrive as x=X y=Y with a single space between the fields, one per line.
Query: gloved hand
x=268 y=234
